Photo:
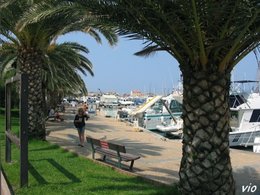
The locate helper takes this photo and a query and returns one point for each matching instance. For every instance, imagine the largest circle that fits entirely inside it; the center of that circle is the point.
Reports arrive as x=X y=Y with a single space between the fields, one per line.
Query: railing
x=256 y=127
x=22 y=141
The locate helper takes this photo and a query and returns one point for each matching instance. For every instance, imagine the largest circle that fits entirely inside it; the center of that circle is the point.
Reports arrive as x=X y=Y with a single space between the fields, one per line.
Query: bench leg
x=104 y=157
x=93 y=154
x=131 y=165
x=119 y=163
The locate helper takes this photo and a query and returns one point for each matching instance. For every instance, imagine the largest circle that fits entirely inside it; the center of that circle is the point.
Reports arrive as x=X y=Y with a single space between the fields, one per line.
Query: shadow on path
x=246 y=178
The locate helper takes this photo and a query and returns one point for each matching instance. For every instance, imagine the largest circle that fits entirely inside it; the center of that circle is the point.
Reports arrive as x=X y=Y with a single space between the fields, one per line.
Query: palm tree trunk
x=44 y=102
x=54 y=98
x=205 y=165
x=31 y=64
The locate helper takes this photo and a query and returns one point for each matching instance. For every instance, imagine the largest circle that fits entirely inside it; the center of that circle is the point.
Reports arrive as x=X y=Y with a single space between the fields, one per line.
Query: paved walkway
x=4 y=187
x=160 y=158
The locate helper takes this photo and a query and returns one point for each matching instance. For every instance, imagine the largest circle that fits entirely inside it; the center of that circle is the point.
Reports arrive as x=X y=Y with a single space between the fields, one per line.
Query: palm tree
x=208 y=38
x=61 y=72
x=32 y=41
x=61 y=77
x=4 y=4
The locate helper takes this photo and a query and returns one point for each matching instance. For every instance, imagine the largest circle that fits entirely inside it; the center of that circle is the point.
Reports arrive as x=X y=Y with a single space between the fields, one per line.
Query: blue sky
x=117 y=69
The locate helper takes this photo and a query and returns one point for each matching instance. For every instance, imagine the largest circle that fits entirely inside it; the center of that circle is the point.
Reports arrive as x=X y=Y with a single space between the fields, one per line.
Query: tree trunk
x=44 y=102
x=53 y=98
x=31 y=63
x=205 y=165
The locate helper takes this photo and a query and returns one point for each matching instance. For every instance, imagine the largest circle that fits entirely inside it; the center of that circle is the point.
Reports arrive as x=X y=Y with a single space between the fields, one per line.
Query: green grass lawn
x=53 y=170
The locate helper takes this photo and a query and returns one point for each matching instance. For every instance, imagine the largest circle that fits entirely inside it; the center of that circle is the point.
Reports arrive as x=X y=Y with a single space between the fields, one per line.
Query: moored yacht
x=245 y=122
x=158 y=110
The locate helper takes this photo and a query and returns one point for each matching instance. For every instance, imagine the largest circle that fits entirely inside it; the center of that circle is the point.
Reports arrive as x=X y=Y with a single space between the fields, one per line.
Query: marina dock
x=160 y=157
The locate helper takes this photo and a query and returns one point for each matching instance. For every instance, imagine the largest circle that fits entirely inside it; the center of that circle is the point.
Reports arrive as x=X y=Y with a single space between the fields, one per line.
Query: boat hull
x=151 y=121
x=169 y=128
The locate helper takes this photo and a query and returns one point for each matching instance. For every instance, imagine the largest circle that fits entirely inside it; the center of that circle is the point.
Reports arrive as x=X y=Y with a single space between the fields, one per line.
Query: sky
x=117 y=69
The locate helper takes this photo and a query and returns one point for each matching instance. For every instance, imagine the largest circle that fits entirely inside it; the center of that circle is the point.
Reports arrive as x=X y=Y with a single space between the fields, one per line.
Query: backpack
x=76 y=124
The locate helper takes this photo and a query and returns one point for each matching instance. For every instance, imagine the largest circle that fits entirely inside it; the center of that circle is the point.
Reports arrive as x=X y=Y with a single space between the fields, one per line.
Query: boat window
x=255 y=116
x=175 y=106
x=236 y=100
x=157 y=107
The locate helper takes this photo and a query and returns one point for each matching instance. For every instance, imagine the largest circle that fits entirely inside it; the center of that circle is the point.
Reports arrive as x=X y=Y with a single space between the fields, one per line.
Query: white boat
x=157 y=110
x=167 y=128
x=108 y=100
x=125 y=102
x=108 y=105
x=245 y=122
x=173 y=127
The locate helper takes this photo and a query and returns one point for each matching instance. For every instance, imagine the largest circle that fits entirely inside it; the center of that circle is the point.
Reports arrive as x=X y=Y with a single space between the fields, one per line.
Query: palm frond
x=65 y=61
x=200 y=35
x=149 y=50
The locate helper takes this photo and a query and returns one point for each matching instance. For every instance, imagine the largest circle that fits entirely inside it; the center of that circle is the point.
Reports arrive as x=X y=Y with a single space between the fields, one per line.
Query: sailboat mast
x=257 y=55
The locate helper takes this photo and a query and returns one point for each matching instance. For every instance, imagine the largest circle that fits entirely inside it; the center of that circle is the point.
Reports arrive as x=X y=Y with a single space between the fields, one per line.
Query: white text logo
x=249 y=188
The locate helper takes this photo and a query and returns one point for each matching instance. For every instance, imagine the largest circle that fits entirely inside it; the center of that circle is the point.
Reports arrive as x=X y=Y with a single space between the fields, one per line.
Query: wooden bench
x=112 y=150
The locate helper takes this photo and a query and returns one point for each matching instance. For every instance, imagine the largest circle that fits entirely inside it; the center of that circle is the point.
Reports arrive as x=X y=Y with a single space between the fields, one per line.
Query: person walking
x=79 y=123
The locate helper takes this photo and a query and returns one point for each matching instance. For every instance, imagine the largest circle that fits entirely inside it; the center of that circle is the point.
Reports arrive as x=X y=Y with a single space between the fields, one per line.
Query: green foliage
x=72 y=16
x=6 y=72
x=202 y=35
x=14 y=94
x=62 y=66
x=2 y=96
x=14 y=120
x=37 y=24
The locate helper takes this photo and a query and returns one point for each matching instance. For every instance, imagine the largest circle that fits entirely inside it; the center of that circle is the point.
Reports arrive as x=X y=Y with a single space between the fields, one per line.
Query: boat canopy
x=142 y=108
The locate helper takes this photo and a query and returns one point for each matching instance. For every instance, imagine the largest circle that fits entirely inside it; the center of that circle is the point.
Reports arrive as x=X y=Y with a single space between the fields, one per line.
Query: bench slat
x=116 y=147
x=104 y=144
x=124 y=156
x=93 y=141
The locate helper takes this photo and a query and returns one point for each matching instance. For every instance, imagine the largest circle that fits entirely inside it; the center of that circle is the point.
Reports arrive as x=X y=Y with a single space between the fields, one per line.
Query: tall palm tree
x=61 y=75
x=4 y=4
x=208 y=38
x=61 y=71
x=32 y=41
